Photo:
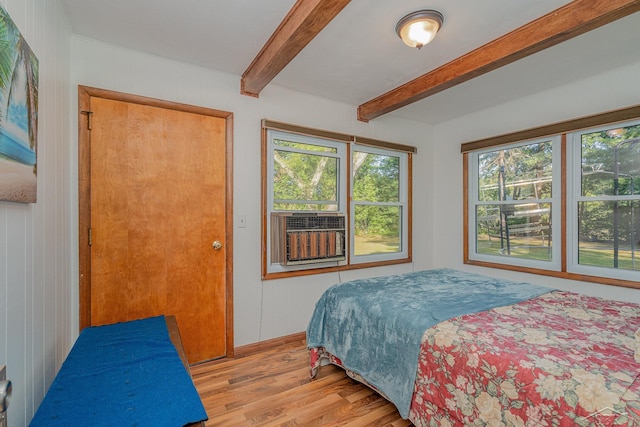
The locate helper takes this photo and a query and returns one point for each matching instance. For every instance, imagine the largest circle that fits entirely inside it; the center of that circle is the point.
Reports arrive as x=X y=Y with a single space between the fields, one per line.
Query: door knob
x=217 y=245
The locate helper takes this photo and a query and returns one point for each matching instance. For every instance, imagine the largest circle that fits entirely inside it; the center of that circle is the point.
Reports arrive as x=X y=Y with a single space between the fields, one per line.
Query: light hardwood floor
x=272 y=388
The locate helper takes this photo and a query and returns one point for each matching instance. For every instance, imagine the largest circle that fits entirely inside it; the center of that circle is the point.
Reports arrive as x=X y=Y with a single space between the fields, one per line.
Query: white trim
x=343 y=179
x=473 y=202
x=574 y=196
x=340 y=154
x=403 y=204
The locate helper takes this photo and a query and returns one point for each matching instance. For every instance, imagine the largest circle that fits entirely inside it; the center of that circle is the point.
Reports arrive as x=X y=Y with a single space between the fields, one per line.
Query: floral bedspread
x=560 y=359
x=375 y=325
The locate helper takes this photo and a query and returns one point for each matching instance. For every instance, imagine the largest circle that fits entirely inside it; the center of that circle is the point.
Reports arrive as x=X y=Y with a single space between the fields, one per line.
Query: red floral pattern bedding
x=560 y=359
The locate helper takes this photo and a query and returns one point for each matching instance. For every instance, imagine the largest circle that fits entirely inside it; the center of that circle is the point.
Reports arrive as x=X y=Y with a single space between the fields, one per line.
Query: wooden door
x=158 y=203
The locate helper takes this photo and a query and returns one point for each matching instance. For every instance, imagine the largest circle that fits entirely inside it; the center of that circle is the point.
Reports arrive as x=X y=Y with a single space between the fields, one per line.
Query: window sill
x=323 y=270
x=559 y=274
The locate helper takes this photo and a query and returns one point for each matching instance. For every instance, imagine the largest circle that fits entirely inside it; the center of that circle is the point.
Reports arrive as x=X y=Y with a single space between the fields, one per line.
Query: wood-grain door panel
x=157 y=204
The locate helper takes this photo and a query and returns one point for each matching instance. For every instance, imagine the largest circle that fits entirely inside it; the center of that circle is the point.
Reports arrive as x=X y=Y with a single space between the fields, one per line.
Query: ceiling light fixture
x=419 y=28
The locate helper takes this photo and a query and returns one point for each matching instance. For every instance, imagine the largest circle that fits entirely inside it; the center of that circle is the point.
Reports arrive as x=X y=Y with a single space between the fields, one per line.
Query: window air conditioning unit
x=307 y=238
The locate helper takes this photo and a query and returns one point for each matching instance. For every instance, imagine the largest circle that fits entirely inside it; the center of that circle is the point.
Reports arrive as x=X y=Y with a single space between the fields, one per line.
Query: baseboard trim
x=249 y=349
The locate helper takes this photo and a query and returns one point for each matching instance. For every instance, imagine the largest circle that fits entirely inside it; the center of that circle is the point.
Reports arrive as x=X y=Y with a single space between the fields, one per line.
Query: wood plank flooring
x=272 y=388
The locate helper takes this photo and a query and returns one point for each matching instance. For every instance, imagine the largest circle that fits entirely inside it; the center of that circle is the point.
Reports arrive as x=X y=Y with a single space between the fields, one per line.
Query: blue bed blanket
x=125 y=374
x=375 y=326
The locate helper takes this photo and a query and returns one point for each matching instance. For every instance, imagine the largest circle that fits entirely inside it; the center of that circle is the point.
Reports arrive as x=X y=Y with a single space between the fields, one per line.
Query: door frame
x=85 y=93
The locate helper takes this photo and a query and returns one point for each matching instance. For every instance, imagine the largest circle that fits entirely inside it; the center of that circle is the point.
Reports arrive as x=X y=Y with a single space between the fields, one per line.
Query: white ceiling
x=358 y=56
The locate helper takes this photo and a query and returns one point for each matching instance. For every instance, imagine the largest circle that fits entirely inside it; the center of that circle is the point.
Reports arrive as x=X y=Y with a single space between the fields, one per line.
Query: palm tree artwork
x=18 y=114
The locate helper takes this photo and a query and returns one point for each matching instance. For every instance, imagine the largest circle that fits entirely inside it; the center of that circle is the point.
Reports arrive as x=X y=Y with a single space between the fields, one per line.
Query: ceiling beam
x=303 y=22
x=564 y=23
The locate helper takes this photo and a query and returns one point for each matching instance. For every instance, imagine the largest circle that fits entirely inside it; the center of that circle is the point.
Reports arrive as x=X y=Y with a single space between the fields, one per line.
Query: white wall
x=35 y=286
x=612 y=90
x=38 y=242
x=276 y=307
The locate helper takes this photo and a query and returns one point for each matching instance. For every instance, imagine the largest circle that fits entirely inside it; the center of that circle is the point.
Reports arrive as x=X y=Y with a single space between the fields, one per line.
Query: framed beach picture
x=18 y=114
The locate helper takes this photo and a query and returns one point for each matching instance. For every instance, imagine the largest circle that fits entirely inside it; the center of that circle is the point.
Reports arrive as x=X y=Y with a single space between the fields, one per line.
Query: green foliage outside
x=306 y=178
x=609 y=229
x=376 y=178
x=516 y=174
x=598 y=179
x=518 y=222
x=516 y=177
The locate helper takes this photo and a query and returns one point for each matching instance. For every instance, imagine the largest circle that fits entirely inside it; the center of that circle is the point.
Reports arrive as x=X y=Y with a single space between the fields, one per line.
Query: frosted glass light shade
x=419 y=28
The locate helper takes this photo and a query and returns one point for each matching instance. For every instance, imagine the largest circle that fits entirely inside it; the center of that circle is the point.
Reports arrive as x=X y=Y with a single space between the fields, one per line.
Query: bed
x=454 y=348
x=125 y=374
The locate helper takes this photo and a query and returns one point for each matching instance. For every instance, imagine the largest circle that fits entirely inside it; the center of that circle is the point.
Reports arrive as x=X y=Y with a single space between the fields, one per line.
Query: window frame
x=341 y=155
x=555 y=201
x=565 y=130
x=574 y=196
x=321 y=137
x=403 y=203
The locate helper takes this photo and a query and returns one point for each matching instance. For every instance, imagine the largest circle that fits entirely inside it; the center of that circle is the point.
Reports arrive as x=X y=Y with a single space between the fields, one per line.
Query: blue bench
x=125 y=374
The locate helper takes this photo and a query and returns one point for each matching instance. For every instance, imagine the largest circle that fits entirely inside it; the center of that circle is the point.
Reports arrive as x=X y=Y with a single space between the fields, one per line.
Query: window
x=306 y=173
x=512 y=203
x=566 y=205
x=379 y=204
x=330 y=202
x=606 y=201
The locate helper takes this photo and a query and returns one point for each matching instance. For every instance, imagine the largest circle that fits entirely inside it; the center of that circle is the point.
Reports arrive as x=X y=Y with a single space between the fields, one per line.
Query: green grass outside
x=601 y=255
x=520 y=248
x=376 y=244
x=592 y=254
